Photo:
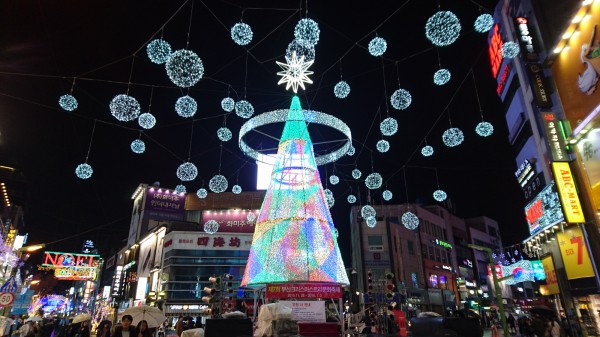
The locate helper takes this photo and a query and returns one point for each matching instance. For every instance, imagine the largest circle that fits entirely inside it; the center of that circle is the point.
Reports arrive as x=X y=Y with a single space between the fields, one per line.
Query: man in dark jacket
x=126 y=329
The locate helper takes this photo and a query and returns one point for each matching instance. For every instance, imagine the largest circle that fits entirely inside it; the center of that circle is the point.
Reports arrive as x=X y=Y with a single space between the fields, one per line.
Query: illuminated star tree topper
x=295 y=72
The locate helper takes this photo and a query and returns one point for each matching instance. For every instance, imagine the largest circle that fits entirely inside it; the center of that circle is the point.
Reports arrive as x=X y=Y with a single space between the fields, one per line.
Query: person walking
x=511 y=323
x=126 y=329
x=143 y=330
x=554 y=328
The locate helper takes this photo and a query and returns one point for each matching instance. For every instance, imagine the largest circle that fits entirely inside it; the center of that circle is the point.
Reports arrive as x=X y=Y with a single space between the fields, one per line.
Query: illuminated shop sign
x=164 y=204
x=554 y=137
x=232 y=221
x=544 y=211
x=520 y=270
x=574 y=252
x=468 y=263
x=71 y=266
x=524 y=173
x=502 y=80
x=567 y=192
x=116 y=285
x=526 y=39
x=537 y=81
x=538 y=270
x=442 y=243
x=495 y=45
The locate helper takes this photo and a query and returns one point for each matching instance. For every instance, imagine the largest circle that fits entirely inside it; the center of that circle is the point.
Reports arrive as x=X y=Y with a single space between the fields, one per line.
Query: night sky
x=98 y=48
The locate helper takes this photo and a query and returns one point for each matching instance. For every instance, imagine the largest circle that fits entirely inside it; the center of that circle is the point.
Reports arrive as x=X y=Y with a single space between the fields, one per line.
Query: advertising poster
x=307 y=311
x=232 y=221
x=551 y=280
x=574 y=252
x=146 y=257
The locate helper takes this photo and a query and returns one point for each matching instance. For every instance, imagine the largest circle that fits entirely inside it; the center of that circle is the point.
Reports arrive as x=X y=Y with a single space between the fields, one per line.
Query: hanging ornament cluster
x=483 y=23
x=367 y=211
x=329 y=199
x=138 y=146
x=224 y=134
x=159 y=51
x=124 y=108
x=301 y=48
x=180 y=189
x=441 y=76
x=377 y=46
x=244 y=109
x=307 y=30
x=84 y=171
x=388 y=126
x=453 y=137
x=484 y=129
x=227 y=104
x=427 y=151
x=251 y=217
x=401 y=99
x=184 y=68
x=383 y=146
x=351 y=199
x=218 y=184
x=373 y=181
x=147 y=120
x=211 y=227
x=202 y=193
x=334 y=180
x=68 y=102
x=439 y=195
x=241 y=33
x=442 y=28
x=187 y=171
x=410 y=220
x=387 y=195
x=186 y=106
x=509 y=49
x=351 y=151
x=356 y=173
x=236 y=189
x=371 y=222
x=341 y=89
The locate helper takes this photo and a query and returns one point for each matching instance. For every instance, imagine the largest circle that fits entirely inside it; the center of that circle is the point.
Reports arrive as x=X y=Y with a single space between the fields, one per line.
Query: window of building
x=415 y=279
x=438 y=254
x=431 y=253
x=433 y=280
x=492 y=231
x=443 y=282
x=444 y=257
x=375 y=240
x=411 y=247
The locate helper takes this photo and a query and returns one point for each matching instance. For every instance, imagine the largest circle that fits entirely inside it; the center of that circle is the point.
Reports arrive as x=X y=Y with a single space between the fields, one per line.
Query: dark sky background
x=101 y=44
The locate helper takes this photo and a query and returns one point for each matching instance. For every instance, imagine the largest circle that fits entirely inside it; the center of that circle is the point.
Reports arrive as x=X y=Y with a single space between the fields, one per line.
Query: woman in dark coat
x=143 y=330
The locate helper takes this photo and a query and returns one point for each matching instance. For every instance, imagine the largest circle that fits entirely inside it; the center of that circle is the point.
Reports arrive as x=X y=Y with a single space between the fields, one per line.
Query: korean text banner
x=575 y=254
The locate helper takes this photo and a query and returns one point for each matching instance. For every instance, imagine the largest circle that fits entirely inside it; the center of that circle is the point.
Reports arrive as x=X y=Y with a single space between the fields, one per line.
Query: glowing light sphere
x=241 y=33
x=373 y=181
x=124 y=108
x=484 y=129
x=410 y=220
x=186 y=106
x=401 y=99
x=251 y=217
x=483 y=23
x=356 y=173
x=236 y=189
x=228 y=104
x=329 y=197
x=184 y=68
x=187 y=171
x=509 y=49
x=68 y=102
x=334 y=180
x=351 y=151
x=341 y=89
x=180 y=189
x=138 y=146
x=244 y=109
x=387 y=195
x=351 y=199
x=377 y=46
x=211 y=227
x=202 y=193
x=439 y=195
x=302 y=48
x=218 y=184
x=372 y=222
x=441 y=76
x=147 y=120
x=224 y=134
x=367 y=211
x=442 y=28
x=453 y=137
x=308 y=31
x=427 y=151
x=383 y=146
x=388 y=126
x=159 y=51
x=84 y=171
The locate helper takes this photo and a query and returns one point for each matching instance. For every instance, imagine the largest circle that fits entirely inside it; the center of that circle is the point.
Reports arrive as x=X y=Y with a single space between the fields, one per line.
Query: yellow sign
x=574 y=253
x=567 y=191
x=551 y=280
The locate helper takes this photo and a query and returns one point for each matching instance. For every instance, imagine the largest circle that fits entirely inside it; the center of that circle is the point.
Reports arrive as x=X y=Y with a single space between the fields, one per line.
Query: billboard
x=574 y=252
x=201 y=240
x=72 y=266
x=147 y=254
x=232 y=221
x=544 y=210
x=551 y=280
x=521 y=271
x=164 y=204
x=568 y=192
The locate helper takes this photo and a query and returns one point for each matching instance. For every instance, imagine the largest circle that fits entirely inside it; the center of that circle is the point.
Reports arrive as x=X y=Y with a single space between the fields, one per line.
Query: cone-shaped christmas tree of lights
x=293 y=240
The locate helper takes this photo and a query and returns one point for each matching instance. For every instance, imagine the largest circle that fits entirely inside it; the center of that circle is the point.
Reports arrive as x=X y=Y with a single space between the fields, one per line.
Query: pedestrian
x=103 y=329
x=142 y=329
x=554 y=328
x=511 y=323
x=125 y=329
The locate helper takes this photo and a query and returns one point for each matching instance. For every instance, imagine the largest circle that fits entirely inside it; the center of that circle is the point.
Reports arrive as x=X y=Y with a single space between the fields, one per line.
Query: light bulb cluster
x=351 y=199
x=184 y=68
x=441 y=76
x=387 y=195
x=367 y=211
x=483 y=23
x=244 y=109
x=484 y=129
x=228 y=104
x=186 y=106
x=68 y=102
x=202 y=193
x=439 y=195
x=301 y=48
x=427 y=151
x=341 y=89
x=124 y=108
x=356 y=174
x=377 y=46
x=371 y=222
x=211 y=227
x=453 y=137
x=442 y=28
x=147 y=120
x=224 y=134
x=187 y=171
x=329 y=199
x=236 y=189
x=351 y=151
x=373 y=181
x=401 y=99
x=159 y=51
x=410 y=220
x=334 y=180
x=180 y=189
x=388 y=126
x=509 y=49
x=138 y=146
x=383 y=146
x=218 y=184
x=307 y=30
x=84 y=171
x=241 y=33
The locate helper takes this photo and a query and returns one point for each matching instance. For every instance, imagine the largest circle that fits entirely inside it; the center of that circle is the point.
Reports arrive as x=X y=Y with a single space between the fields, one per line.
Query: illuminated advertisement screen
x=520 y=270
x=538 y=270
x=72 y=266
x=544 y=210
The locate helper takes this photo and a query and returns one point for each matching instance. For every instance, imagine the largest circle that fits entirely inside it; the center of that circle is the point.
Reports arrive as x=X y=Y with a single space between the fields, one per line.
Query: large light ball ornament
x=383 y=146
x=218 y=184
x=224 y=134
x=244 y=109
x=180 y=189
x=410 y=220
x=484 y=129
x=159 y=51
x=202 y=193
x=439 y=195
x=228 y=104
x=371 y=222
x=329 y=197
x=187 y=171
x=388 y=126
x=377 y=46
x=351 y=151
x=427 y=151
x=84 y=171
x=453 y=137
x=441 y=76
x=351 y=199
x=401 y=99
x=124 y=108
x=138 y=146
x=186 y=106
x=211 y=227
x=367 y=211
x=334 y=180
x=147 y=120
x=184 y=68
x=308 y=31
x=373 y=181
x=483 y=23
x=387 y=195
x=341 y=89
x=251 y=217
x=241 y=33
x=356 y=173
x=509 y=49
x=236 y=189
x=442 y=28
x=302 y=48
x=68 y=102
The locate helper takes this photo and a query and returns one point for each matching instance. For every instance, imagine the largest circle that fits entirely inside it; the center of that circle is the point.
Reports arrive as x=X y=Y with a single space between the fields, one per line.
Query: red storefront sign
x=303 y=290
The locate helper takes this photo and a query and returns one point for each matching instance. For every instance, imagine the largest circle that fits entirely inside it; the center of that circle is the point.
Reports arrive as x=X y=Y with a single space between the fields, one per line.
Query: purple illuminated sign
x=232 y=221
x=164 y=204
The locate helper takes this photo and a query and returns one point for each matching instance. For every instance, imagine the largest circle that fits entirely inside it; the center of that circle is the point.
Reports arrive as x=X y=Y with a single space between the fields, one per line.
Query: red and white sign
x=304 y=290
x=201 y=240
x=6 y=299
x=232 y=221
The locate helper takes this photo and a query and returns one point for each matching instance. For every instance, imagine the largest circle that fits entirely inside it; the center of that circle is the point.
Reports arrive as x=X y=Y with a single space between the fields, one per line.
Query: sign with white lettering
x=201 y=240
x=544 y=211
x=303 y=290
x=526 y=39
x=306 y=311
x=232 y=221
x=554 y=137
x=568 y=192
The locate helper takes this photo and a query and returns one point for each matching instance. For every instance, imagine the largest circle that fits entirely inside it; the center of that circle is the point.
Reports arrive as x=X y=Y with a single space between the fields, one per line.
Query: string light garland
x=484 y=129
x=442 y=76
x=442 y=28
x=367 y=211
x=138 y=146
x=187 y=171
x=244 y=109
x=410 y=220
x=224 y=134
x=427 y=151
x=453 y=137
x=68 y=102
x=236 y=189
x=351 y=151
x=334 y=180
x=308 y=31
x=218 y=184
x=124 y=108
x=388 y=126
x=483 y=23
x=184 y=68
x=228 y=104
x=341 y=89
x=180 y=189
x=329 y=199
x=356 y=173
x=383 y=146
x=377 y=46
x=186 y=106
x=439 y=195
x=159 y=51
x=147 y=120
x=509 y=49
x=371 y=222
x=241 y=33
x=202 y=193
x=351 y=199
x=84 y=171
x=211 y=227
x=387 y=195
x=301 y=48
x=373 y=181
x=401 y=99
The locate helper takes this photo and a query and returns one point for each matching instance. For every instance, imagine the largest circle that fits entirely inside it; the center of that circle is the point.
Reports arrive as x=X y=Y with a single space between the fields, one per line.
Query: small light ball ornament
x=410 y=220
x=302 y=48
x=388 y=126
x=244 y=109
x=241 y=33
x=84 y=171
x=138 y=146
x=439 y=195
x=228 y=104
x=351 y=199
x=367 y=211
x=184 y=68
x=211 y=227
x=453 y=137
x=377 y=46
x=356 y=173
x=68 y=102
x=401 y=99
x=202 y=193
x=351 y=151
x=187 y=171
x=387 y=195
x=329 y=197
x=308 y=31
x=236 y=189
x=442 y=28
x=427 y=151
x=159 y=51
x=483 y=23
x=509 y=49
x=147 y=120
x=180 y=189
x=334 y=180
x=371 y=222
x=383 y=146
x=341 y=89
x=441 y=77
x=484 y=129
x=124 y=108
x=218 y=184
x=373 y=181
x=251 y=217
x=224 y=134
x=186 y=106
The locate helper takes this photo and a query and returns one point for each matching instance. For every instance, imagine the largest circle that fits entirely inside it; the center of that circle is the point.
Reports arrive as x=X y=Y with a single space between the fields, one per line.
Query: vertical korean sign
x=574 y=252
x=551 y=281
x=567 y=192
x=554 y=138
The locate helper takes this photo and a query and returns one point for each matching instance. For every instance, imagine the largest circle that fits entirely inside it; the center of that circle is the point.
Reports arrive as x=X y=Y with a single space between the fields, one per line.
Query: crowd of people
x=65 y=327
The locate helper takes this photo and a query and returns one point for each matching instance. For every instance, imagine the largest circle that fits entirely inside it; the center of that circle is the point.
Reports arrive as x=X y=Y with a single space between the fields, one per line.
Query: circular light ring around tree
x=307 y=30
x=341 y=89
x=387 y=195
x=388 y=126
x=334 y=180
x=351 y=199
x=509 y=49
x=218 y=184
x=371 y=222
x=383 y=146
x=202 y=193
x=439 y=195
x=442 y=28
x=138 y=146
x=241 y=33
x=377 y=46
x=251 y=217
x=410 y=220
x=368 y=211
x=224 y=134
x=228 y=104
x=186 y=106
x=84 y=171
x=159 y=51
x=236 y=189
x=68 y=102
x=441 y=77
x=427 y=151
x=484 y=129
x=351 y=151
x=401 y=99
x=211 y=227
x=373 y=181
x=302 y=48
x=329 y=197
x=124 y=108
x=187 y=171
x=184 y=68
x=356 y=174
x=453 y=137
x=147 y=120
x=310 y=116
x=483 y=23
x=180 y=189
x=244 y=109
